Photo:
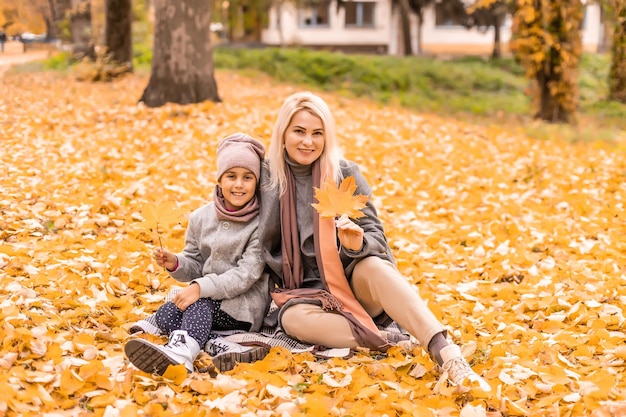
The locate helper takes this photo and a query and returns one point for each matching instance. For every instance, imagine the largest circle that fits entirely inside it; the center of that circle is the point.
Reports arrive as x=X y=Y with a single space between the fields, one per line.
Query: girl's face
x=304 y=138
x=238 y=186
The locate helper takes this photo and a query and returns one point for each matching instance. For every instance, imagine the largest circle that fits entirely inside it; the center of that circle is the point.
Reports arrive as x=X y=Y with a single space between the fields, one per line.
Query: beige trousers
x=379 y=287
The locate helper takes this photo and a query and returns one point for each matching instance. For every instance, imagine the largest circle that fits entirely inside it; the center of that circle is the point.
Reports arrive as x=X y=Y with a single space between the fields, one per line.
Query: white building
x=372 y=26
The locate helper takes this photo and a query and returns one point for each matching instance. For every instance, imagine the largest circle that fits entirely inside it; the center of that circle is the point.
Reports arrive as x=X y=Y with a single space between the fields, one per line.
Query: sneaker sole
x=228 y=360
x=146 y=357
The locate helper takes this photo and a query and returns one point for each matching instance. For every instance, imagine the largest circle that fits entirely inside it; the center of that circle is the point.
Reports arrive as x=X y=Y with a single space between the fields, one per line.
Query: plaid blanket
x=237 y=340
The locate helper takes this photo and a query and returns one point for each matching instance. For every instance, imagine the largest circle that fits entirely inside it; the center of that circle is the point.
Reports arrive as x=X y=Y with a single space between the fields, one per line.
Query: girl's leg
x=379 y=287
x=310 y=324
x=168 y=317
x=204 y=315
x=197 y=319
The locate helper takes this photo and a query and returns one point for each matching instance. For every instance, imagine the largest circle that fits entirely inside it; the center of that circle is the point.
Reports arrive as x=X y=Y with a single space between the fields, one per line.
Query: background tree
x=80 y=28
x=59 y=12
x=118 y=32
x=418 y=7
x=546 y=40
x=484 y=14
x=19 y=17
x=405 y=26
x=404 y=12
x=617 y=73
x=182 y=60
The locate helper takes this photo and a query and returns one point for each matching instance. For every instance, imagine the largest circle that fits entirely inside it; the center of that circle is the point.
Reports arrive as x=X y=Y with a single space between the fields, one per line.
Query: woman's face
x=304 y=138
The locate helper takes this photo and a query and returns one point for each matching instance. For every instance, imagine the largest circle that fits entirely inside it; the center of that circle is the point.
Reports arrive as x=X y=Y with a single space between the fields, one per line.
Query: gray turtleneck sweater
x=374 y=240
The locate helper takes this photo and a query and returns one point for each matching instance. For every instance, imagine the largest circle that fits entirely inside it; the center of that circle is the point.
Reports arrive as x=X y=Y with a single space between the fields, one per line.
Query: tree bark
x=497 y=44
x=118 y=31
x=617 y=73
x=80 y=27
x=182 y=60
x=405 y=24
x=420 y=25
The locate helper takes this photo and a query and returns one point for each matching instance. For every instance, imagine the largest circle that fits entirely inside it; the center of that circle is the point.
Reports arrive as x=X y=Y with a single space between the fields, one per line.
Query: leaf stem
x=159 y=236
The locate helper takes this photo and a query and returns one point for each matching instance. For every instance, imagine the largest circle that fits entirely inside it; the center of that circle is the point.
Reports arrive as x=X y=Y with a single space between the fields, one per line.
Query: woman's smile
x=304 y=138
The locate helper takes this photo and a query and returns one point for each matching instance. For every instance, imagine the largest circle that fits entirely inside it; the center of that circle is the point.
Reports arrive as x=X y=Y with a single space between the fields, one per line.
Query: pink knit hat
x=239 y=150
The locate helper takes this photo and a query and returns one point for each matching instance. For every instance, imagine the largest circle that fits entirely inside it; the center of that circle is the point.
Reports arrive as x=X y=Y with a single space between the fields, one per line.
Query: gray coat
x=224 y=259
x=374 y=239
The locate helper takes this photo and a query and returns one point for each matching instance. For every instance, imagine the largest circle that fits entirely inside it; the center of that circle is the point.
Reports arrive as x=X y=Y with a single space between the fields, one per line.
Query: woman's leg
x=379 y=286
x=310 y=324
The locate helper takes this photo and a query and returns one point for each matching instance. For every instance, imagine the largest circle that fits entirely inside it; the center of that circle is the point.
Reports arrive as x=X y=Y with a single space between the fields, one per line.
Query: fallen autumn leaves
x=517 y=244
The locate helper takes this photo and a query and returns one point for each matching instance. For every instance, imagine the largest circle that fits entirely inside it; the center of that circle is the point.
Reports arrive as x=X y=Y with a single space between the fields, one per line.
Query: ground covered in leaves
x=517 y=244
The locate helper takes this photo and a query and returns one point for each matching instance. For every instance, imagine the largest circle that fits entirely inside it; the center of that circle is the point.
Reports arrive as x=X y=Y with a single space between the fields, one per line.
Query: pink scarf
x=338 y=295
x=244 y=214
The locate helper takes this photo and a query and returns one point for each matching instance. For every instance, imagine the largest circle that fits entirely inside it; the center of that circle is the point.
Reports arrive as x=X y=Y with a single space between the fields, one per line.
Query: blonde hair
x=331 y=155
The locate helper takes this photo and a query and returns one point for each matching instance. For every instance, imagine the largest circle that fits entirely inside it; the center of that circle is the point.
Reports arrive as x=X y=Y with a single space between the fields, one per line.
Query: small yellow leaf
x=176 y=373
x=336 y=201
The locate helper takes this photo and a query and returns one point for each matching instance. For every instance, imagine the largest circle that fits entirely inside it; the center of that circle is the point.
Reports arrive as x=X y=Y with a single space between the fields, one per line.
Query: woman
x=332 y=296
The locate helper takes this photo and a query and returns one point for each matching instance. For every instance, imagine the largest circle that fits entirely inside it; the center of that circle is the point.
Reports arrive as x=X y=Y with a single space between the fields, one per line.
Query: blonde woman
x=335 y=279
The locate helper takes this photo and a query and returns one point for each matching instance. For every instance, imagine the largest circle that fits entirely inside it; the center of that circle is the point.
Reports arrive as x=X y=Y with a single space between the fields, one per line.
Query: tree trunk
x=547 y=42
x=118 y=31
x=59 y=9
x=279 y=23
x=182 y=60
x=420 y=25
x=550 y=109
x=617 y=74
x=80 y=27
x=497 y=44
x=555 y=79
x=405 y=25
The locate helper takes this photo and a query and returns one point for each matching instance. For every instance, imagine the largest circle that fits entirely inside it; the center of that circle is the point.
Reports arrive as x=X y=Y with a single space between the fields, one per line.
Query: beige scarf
x=337 y=295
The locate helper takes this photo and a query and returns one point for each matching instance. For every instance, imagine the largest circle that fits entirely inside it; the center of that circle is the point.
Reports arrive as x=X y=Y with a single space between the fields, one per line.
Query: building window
x=314 y=13
x=446 y=17
x=359 y=14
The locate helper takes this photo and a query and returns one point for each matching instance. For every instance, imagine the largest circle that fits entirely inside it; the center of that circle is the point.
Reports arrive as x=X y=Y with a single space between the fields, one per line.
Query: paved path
x=14 y=54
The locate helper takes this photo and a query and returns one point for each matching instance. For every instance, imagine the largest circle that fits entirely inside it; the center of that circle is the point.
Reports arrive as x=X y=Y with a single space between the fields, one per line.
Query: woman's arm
x=374 y=239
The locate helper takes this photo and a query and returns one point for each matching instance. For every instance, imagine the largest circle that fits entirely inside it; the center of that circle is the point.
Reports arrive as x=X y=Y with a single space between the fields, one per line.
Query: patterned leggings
x=198 y=319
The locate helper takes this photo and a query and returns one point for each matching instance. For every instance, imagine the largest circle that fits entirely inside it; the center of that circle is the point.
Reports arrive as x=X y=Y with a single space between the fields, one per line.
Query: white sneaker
x=151 y=358
x=458 y=370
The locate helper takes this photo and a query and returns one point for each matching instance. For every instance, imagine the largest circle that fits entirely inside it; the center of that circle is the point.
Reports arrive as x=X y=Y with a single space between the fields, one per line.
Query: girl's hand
x=165 y=259
x=187 y=296
x=350 y=234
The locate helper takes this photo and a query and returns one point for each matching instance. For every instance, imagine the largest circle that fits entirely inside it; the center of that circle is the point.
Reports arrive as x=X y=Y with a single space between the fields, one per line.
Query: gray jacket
x=224 y=259
x=374 y=239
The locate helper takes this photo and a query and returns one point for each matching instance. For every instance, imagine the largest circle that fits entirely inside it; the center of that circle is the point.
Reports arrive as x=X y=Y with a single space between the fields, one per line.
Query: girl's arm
x=191 y=260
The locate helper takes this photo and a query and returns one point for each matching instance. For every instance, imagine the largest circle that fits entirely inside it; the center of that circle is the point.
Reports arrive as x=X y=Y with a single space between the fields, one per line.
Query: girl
x=222 y=260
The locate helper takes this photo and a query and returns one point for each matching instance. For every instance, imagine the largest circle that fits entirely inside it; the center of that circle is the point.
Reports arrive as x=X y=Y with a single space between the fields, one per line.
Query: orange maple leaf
x=336 y=201
x=155 y=215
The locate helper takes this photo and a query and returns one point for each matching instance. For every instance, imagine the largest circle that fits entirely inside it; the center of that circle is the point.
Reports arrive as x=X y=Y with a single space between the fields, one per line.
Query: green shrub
x=59 y=62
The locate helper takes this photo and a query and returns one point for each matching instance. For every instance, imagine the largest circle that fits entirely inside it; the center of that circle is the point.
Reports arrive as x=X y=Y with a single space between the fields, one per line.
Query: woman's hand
x=165 y=259
x=187 y=296
x=350 y=234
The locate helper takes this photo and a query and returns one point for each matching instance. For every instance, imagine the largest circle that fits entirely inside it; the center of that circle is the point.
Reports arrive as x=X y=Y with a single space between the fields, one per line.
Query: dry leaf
x=465 y=208
x=336 y=201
